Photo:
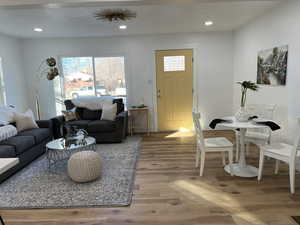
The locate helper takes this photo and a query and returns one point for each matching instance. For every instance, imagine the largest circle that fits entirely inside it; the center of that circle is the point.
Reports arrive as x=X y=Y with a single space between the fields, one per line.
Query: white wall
x=14 y=76
x=279 y=27
x=212 y=65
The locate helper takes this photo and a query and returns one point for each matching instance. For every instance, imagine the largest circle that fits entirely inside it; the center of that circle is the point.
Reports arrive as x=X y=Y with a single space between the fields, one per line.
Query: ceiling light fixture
x=122 y=27
x=38 y=29
x=115 y=15
x=209 y=23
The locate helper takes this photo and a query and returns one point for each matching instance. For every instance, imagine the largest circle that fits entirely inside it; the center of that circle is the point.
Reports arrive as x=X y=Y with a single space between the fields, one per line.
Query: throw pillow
x=109 y=112
x=6 y=114
x=70 y=115
x=25 y=121
x=7 y=132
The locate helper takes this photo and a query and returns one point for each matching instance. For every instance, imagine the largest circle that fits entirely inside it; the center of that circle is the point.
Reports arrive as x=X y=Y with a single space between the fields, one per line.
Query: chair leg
x=1 y=221
x=237 y=146
x=261 y=164
x=231 y=162
x=202 y=159
x=292 y=177
x=197 y=156
x=223 y=158
x=277 y=166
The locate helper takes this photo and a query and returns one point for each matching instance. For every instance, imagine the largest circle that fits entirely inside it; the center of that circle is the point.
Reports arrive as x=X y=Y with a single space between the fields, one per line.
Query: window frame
x=62 y=80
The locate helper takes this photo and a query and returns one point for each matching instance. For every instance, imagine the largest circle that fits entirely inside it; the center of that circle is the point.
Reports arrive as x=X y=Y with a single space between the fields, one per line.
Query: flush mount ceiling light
x=208 y=23
x=37 y=29
x=115 y=15
x=122 y=27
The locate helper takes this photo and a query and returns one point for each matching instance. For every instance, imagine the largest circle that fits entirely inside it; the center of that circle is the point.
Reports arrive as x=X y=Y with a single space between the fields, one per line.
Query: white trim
x=2 y=84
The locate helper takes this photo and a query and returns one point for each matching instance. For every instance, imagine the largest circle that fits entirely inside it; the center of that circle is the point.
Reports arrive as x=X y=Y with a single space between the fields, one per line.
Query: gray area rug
x=37 y=187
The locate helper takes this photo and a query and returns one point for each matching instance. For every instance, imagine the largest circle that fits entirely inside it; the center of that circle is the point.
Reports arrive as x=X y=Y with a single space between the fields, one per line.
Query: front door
x=174 y=82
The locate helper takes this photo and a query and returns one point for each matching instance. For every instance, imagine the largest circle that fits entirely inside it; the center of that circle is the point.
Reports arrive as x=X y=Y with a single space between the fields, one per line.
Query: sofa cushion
x=20 y=143
x=38 y=134
x=99 y=126
x=81 y=124
x=120 y=105
x=86 y=114
x=91 y=114
x=7 y=151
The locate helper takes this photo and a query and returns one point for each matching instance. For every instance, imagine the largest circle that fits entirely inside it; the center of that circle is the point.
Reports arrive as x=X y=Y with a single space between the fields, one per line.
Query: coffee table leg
x=1 y=220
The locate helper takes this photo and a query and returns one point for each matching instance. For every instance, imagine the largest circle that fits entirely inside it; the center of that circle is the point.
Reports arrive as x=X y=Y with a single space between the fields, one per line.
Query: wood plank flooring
x=168 y=191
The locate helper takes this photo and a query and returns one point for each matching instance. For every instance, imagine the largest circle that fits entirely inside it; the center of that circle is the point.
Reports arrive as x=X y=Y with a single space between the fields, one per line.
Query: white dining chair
x=287 y=153
x=257 y=136
x=205 y=145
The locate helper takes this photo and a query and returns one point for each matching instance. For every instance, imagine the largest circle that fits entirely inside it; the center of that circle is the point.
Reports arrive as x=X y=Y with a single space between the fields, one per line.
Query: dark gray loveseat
x=104 y=131
x=27 y=145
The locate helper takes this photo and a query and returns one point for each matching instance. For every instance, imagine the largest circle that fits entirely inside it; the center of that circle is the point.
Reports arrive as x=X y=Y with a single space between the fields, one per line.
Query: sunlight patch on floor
x=182 y=132
x=221 y=199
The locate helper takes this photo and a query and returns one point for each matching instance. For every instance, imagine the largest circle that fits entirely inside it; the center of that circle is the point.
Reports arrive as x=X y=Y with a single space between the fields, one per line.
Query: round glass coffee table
x=61 y=149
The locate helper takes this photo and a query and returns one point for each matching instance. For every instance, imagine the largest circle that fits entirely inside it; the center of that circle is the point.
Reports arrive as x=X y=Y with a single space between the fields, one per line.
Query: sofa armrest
x=122 y=123
x=57 y=123
x=121 y=116
x=44 y=123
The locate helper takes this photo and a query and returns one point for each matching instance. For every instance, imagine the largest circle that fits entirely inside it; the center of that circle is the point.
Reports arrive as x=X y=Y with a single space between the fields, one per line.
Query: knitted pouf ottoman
x=84 y=166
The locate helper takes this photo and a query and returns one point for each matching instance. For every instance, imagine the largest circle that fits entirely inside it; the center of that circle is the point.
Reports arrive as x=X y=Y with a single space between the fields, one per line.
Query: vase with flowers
x=242 y=114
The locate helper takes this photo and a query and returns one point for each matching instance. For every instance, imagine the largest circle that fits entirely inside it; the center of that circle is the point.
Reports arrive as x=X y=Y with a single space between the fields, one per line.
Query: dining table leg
x=241 y=169
x=242 y=160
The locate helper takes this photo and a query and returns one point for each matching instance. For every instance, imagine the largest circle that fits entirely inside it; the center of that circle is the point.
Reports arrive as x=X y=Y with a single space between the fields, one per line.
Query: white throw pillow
x=6 y=114
x=109 y=112
x=25 y=121
x=7 y=132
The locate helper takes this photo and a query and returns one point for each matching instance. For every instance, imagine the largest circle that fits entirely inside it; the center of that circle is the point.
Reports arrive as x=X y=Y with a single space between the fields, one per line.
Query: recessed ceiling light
x=38 y=29
x=209 y=23
x=123 y=27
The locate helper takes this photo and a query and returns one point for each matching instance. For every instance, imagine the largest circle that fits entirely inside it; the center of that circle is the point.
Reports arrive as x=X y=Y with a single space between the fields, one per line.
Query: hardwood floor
x=168 y=191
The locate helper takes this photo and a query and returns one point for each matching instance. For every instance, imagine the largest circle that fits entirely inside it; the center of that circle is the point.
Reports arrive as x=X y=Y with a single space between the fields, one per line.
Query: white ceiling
x=19 y=17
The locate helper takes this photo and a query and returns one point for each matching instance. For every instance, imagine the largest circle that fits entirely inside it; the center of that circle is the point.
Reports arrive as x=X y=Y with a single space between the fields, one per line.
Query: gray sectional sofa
x=26 y=145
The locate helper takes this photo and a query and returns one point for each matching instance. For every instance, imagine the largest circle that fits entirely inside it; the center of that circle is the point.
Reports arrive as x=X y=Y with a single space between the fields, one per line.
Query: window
x=78 y=76
x=89 y=76
x=110 y=76
x=174 y=63
x=2 y=87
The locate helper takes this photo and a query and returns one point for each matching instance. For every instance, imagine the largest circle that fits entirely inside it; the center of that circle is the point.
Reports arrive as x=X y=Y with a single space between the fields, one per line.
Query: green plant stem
x=244 y=96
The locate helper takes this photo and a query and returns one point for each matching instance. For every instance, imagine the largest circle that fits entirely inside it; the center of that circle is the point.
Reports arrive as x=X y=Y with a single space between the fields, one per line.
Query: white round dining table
x=241 y=168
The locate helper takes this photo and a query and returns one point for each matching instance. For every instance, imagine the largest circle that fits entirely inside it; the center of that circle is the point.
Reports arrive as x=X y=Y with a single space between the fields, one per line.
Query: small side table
x=133 y=111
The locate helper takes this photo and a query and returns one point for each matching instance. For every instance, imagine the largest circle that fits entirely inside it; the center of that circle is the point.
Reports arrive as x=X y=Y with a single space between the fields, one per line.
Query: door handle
x=158 y=93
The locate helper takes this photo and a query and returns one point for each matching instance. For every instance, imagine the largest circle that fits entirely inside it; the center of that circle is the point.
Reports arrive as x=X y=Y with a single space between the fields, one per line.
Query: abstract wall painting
x=272 y=66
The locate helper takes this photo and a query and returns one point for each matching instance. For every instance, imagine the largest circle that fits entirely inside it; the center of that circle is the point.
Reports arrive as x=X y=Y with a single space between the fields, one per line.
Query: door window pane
x=110 y=76
x=78 y=76
x=174 y=63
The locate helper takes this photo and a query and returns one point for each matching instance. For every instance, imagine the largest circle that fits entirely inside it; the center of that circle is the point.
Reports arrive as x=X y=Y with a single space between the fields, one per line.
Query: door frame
x=194 y=66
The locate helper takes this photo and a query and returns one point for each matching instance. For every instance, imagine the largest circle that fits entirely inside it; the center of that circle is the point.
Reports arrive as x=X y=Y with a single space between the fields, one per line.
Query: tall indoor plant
x=242 y=114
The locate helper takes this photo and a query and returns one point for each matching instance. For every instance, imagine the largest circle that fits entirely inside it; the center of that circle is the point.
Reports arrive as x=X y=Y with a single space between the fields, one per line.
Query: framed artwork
x=272 y=66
